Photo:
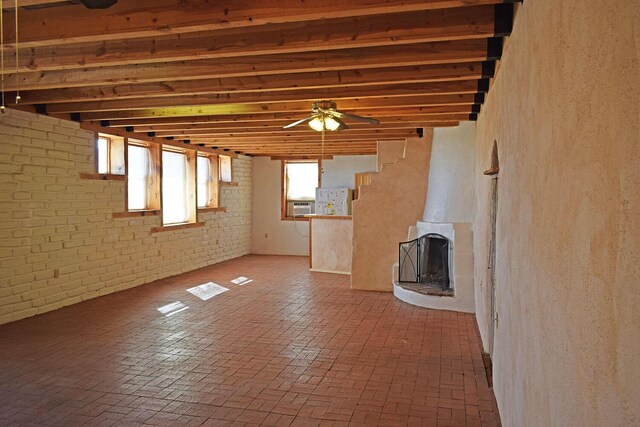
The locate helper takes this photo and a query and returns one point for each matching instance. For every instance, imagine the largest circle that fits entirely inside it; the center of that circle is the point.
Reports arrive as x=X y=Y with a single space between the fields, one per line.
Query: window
x=110 y=155
x=207 y=181
x=142 y=181
x=299 y=182
x=225 y=169
x=178 y=187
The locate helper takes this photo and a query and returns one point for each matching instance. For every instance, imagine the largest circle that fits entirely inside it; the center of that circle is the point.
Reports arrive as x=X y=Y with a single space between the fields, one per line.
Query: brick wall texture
x=59 y=244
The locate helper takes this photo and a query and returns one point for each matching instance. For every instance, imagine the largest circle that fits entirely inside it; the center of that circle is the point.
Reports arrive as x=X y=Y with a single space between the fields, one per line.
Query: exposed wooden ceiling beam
x=177 y=144
x=140 y=18
x=236 y=138
x=449 y=52
x=250 y=127
x=311 y=95
x=350 y=33
x=267 y=83
x=282 y=107
x=10 y=4
x=397 y=115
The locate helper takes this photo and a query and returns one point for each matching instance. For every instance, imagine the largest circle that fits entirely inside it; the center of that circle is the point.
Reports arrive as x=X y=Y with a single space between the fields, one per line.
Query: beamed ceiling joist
x=448 y=52
x=141 y=18
x=268 y=83
x=373 y=93
x=396 y=116
x=226 y=76
x=349 y=33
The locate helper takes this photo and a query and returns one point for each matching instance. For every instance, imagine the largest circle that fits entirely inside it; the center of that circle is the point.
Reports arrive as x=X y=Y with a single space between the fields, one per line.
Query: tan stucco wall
x=564 y=110
x=331 y=241
x=384 y=211
x=389 y=152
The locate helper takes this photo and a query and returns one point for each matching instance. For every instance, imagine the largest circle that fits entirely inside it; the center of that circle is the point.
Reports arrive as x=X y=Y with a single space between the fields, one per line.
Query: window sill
x=228 y=184
x=176 y=227
x=102 y=176
x=205 y=210
x=298 y=218
x=132 y=214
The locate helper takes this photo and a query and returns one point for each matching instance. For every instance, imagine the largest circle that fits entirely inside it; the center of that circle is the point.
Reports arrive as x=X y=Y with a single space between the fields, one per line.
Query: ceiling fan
x=325 y=116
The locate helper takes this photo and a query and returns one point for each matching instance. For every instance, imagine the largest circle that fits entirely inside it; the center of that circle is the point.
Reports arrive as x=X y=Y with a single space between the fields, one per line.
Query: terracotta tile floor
x=289 y=348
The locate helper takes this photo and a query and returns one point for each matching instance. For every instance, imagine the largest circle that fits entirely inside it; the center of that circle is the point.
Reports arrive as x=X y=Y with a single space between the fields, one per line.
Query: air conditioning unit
x=302 y=208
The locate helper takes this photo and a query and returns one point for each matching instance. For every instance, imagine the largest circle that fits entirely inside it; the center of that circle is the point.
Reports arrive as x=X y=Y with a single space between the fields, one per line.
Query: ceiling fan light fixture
x=327 y=122
x=317 y=123
x=331 y=123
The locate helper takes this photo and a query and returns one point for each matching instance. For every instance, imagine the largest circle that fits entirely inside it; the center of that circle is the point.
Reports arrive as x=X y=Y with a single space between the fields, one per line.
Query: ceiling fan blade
x=299 y=122
x=354 y=117
x=98 y=4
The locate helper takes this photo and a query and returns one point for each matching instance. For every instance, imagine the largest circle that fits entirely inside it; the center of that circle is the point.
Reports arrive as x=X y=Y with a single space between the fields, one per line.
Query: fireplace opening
x=425 y=262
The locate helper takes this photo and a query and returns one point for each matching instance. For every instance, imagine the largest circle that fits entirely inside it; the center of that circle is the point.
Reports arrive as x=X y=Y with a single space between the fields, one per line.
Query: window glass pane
x=225 y=168
x=175 y=207
x=204 y=180
x=116 y=156
x=138 y=179
x=103 y=155
x=302 y=180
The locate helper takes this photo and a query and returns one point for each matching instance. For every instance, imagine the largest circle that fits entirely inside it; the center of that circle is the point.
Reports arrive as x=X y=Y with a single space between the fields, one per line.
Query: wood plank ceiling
x=229 y=74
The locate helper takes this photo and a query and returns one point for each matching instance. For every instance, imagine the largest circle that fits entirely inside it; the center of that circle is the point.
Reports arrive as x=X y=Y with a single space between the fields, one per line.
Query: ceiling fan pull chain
x=322 y=154
x=17 y=57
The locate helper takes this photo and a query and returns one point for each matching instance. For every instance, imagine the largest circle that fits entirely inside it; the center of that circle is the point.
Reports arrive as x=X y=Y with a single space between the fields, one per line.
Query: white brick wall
x=50 y=219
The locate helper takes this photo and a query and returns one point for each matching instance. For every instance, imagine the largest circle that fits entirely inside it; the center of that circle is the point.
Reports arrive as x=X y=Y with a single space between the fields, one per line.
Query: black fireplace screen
x=425 y=260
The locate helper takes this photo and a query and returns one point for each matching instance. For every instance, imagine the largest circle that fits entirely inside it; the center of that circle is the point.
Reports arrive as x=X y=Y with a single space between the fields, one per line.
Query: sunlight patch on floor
x=173 y=308
x=207 y=291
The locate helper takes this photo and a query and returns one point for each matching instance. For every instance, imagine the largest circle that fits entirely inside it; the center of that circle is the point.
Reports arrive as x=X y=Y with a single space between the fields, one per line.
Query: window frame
x=154 y=186
x=213 y=181
x=283 y=187
x=191 y=190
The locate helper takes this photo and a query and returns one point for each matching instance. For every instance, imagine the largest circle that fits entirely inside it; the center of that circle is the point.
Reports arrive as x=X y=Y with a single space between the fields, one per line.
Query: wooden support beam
x=390 y=116
x=239 y=137
x=448 y=52
x=10 y=4
x=252 y=84
x=267 y=127
x=361 y=93
x=140 y=18
x=144 y=137
x=300 y=107
x=346 y=33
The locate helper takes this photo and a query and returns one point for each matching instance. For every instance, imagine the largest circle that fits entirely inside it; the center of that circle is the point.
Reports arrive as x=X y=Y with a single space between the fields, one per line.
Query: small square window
x=299 y=182
x=143 y=192
x=110 y=155
x=178 y=187
x=225 y=169
x=207 y=181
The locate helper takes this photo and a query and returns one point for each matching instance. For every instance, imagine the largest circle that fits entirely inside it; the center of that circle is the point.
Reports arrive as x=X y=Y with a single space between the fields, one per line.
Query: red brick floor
x=290 y=348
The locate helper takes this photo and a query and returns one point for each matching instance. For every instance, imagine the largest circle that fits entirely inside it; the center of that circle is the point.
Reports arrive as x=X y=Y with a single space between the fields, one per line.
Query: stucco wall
x=58 y=241
x=564 y=110
x=384 y=211
x=451 y=175
x=271 y=235
x=339 y=172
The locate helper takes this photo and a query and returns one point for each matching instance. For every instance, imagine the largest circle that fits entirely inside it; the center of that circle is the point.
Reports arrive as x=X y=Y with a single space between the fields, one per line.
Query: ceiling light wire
x=322 y=155
x=2 y=107
x=17 y=57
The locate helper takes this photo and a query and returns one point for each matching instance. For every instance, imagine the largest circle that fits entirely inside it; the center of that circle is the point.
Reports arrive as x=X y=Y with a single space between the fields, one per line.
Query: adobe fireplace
x=425 y=261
